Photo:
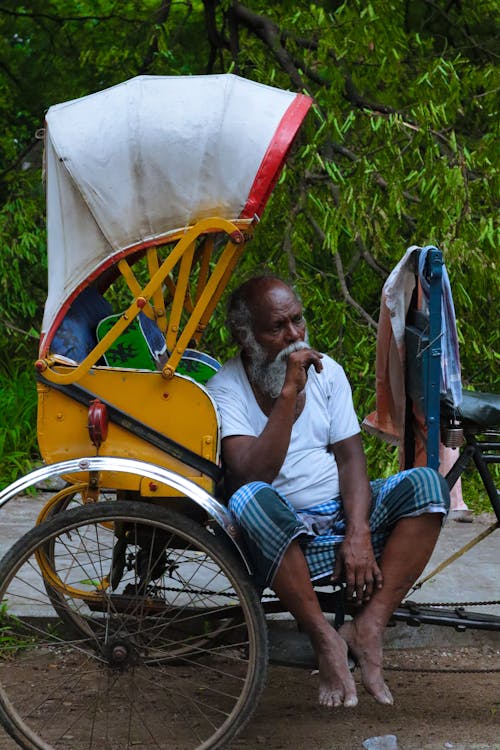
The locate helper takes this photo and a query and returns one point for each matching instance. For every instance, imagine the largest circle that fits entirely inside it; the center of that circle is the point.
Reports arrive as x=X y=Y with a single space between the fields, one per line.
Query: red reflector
x=98 y=422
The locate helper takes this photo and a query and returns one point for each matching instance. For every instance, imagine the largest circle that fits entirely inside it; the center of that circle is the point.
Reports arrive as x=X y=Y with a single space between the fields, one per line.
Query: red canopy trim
x=275 y=156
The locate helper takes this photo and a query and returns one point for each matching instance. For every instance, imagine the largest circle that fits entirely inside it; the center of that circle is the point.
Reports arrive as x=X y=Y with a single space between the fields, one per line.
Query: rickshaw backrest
x=423 y=350
x=140 y=346
x=143 y=346
x=90 y=317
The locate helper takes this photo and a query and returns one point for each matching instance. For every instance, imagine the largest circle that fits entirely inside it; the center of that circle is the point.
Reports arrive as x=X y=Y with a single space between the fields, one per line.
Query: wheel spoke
x=175 y=655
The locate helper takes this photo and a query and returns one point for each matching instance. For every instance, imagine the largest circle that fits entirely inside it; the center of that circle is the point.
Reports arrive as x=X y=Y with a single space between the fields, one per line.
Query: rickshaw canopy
x=128 y=166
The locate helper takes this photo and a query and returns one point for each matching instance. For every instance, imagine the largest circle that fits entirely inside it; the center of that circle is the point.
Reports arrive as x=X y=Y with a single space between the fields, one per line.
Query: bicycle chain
x=411 y=603
x=406 y=604
x=444 y=670
x=441 y=670
x=389 y=668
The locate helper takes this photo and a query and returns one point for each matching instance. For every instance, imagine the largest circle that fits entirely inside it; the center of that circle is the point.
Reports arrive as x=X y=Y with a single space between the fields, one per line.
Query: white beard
x=269 y=377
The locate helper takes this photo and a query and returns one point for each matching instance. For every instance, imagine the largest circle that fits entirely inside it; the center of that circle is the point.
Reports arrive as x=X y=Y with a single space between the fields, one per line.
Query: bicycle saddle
x=481 y=409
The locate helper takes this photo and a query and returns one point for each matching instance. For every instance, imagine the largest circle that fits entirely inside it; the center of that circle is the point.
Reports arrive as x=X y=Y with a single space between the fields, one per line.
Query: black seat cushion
x=482 y=409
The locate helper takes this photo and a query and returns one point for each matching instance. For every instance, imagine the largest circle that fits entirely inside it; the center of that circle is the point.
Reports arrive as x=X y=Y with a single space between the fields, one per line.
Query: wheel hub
x=121 y=655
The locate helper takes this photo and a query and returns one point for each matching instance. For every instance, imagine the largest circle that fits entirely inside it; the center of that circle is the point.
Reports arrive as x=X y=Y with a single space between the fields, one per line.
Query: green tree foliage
x=399 y=149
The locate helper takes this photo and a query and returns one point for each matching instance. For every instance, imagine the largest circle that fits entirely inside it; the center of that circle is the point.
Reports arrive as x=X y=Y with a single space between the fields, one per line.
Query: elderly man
x=296 y=467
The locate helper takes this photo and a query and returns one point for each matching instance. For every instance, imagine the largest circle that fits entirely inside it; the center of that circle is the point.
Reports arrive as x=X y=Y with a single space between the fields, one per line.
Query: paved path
x=473 y=577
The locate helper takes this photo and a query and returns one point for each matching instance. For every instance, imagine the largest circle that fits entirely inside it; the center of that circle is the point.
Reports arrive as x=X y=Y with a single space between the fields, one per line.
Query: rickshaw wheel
x=138 y=674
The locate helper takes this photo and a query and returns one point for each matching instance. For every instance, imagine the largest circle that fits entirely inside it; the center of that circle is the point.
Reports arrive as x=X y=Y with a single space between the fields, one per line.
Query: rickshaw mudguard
x=152 y=472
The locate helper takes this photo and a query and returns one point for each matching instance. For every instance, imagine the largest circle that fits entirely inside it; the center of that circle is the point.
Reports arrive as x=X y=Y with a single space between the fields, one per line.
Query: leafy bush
x=400 y=148
x=18 y=403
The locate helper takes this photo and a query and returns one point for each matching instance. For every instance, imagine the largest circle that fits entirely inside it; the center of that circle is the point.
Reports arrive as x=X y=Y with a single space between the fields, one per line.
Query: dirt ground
x=433 y=711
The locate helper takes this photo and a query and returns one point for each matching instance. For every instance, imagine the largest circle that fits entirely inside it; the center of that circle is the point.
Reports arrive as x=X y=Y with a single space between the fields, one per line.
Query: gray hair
x=239 y=318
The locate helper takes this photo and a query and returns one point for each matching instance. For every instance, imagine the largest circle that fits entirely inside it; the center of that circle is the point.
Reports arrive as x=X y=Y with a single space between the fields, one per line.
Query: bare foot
x=365 y=643
x=336 y=683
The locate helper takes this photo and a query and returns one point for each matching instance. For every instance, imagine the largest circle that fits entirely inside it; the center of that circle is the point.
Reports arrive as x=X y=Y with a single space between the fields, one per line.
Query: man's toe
x=351 y=701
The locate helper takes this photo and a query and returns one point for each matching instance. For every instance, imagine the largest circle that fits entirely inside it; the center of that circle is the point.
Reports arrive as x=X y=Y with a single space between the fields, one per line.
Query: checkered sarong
x=269 y=523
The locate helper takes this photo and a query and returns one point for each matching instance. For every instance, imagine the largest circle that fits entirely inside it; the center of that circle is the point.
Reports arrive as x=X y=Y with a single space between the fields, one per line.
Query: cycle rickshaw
x=132 y=596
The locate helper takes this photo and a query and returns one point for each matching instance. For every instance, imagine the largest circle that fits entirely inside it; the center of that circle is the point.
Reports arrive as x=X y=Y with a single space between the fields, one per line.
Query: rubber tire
x=166 y=522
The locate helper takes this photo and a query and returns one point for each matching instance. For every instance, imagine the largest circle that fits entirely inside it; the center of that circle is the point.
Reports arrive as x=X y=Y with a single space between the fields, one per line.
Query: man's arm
x=260 y=458
x=355 y=556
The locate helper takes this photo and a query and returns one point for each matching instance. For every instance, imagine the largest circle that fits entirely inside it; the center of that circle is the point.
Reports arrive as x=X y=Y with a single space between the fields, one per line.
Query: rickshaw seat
x=481 y=410
x=142 y=346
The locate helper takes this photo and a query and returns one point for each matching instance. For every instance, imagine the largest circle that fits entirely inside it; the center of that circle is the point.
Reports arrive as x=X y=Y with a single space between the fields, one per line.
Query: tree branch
x=309 y=44
x=62 y=19
x=353 y=95
x=216 y=40
x=310 y=73
x=234 y=37
x=270 y=34
x=368 y=257
x=161 y=17
x=341 y=277
x=11 y=75
x=287 y=237
x=31 y=146
x=14 y=328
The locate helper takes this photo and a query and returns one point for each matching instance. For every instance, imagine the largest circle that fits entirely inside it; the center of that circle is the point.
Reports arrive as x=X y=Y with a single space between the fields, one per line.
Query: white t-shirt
x=309 y=473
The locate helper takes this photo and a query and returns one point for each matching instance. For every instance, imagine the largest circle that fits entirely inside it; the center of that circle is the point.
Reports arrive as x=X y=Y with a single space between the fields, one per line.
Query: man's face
x=278 y=329
x=277 y=320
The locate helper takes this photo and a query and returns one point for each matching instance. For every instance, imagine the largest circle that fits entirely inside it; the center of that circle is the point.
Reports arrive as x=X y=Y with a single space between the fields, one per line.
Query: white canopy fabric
x=150 y=156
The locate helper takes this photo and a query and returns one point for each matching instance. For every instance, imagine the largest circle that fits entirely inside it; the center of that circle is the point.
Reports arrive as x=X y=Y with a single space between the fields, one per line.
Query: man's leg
x=364 y=634
x=270 y=529
x=261 y=518
x=292 y=585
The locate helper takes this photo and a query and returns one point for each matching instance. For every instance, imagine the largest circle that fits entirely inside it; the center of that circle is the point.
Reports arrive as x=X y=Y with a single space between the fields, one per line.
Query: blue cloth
x=269 y=523
x=451 y=379
x=153 y=337
x=76 y=336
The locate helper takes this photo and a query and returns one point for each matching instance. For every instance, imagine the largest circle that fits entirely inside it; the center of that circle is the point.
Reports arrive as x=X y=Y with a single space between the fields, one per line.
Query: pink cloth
x=389 y=418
